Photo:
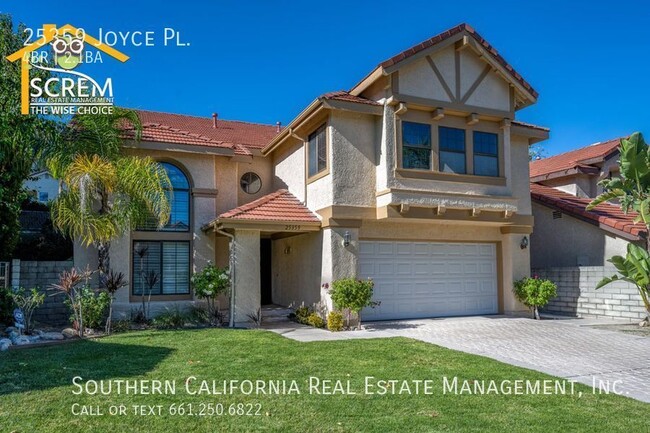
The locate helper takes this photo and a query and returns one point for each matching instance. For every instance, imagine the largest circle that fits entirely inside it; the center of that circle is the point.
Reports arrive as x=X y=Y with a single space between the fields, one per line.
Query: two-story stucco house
x=417 y=177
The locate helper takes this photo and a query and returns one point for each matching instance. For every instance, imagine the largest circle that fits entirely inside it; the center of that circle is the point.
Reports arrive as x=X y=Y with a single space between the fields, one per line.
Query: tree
x=353 y=295
x=21 y=136
x=632 y=190
x=107 y=192
x=112 y=283
x=534 y=293
x=535 y=152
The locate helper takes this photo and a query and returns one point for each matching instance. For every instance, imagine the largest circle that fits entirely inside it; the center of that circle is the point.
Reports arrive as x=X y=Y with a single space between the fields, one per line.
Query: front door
x=266 y=271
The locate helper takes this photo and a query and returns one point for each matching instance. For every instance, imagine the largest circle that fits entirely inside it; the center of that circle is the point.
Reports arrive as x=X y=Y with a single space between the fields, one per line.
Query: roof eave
x=289 y=129
x=620 y=233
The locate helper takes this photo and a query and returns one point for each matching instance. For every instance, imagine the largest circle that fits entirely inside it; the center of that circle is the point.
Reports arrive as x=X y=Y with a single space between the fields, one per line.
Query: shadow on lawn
x=54 y=366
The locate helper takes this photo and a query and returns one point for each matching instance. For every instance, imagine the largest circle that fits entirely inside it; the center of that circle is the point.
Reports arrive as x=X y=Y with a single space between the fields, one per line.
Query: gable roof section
x=607 y=216
x=578 y=160
x=241 y=137
x=463 y=28
x=278 y=206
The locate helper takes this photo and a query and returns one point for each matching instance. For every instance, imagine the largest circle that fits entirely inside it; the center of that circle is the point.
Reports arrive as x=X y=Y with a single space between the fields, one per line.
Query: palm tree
x=107 y=192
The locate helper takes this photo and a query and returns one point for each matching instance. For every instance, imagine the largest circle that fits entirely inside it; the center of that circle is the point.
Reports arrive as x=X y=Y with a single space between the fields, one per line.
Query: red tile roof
x=529 y=125
x=193 y=130
x=278 y=206
x=450 y=33
x=579 y=158
x=605 y=214
x=342 y=95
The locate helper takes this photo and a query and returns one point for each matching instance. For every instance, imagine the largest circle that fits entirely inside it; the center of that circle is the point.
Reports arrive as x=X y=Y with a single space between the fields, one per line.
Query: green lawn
x=36 y=391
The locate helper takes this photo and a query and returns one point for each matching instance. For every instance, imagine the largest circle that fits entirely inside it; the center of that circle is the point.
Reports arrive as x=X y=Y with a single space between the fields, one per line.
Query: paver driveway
x=562 y=348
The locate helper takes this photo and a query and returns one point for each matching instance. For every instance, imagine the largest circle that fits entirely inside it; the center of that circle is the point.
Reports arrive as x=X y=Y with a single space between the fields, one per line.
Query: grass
x=36 y=391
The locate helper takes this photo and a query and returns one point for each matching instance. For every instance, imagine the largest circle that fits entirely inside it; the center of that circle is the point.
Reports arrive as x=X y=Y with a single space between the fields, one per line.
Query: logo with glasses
x=64 y=89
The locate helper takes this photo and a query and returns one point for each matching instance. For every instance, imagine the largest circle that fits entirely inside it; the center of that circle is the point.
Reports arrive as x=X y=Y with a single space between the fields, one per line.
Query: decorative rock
x=10 y=329
x=4 y=344
x=69 y=333
x=52 y=336
x=22 y=340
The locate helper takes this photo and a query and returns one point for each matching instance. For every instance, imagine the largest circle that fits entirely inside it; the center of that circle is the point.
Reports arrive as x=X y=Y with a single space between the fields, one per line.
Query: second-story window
x=452 y=150
x=416 y=145
x=179 y=196
x=486 y=158
x=317 y=152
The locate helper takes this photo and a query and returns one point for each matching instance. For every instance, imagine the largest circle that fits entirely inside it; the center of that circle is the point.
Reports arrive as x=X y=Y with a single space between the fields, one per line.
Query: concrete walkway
x=568 y=348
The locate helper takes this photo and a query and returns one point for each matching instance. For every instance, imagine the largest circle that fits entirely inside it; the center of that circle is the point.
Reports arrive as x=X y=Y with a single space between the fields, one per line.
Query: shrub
x=209 y=284
x=302 y=314
x=123 y=325
x=315 y=320
x=94 y=308
x=28 y=301
x=198 y=315
x=352 y=294
x=534 y=293
x=335 y=321
x=171 y=318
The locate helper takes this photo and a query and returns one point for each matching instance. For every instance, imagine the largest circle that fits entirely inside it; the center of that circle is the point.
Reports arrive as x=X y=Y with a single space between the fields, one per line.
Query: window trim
x=133 y=297
x=326 y=170
x=190 y=207
x=258 y=176
x=431 y=152
x=420 y=116
x=496 y=156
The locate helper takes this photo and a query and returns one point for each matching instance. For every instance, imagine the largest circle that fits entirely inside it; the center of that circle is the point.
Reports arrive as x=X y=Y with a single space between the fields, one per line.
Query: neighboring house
x=417 y=177
x=570 y=244
x=42 y=186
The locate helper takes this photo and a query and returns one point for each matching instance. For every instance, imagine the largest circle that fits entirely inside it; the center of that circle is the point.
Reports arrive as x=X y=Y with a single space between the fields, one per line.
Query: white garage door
x=429 y=279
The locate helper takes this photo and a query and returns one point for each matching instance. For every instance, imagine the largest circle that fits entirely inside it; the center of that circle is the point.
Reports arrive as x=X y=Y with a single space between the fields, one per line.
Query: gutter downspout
x=231 y=321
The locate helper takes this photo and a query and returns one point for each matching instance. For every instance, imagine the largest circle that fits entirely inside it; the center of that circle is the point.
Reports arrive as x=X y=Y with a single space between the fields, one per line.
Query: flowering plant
x=209 y=284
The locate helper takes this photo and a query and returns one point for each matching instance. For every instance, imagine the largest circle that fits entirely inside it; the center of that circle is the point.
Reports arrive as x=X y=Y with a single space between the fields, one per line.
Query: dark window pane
x=146 y=259
x=175 y=268
x=170 y=261
x=250 y=183
x=452 y=162
x=415 y=157
x=451 y=139
x=176 y=176
x=486 y=165
x=485 y=143
x=416 y=134
x=317 y=152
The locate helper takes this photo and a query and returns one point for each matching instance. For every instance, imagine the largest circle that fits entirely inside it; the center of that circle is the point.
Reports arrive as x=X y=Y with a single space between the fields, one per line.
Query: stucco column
x=516 y=265
x=339 y=261
x=246 y=287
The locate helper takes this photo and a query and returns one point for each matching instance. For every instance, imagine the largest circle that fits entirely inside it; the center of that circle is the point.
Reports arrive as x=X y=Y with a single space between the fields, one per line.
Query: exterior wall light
x=347 y=238
x=524 y=243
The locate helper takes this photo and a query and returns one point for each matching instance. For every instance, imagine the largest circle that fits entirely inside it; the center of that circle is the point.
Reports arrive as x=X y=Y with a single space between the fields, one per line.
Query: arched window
x=179 y=219
x=179 y=197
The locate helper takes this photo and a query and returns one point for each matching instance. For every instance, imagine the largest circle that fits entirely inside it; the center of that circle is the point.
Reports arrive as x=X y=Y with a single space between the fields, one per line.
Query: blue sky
x=264 y=61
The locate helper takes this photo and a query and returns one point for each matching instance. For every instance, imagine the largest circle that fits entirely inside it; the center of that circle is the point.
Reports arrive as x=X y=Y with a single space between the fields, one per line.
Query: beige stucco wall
x=579 y=185
x=246 y=284
x=354 y=141
x=417 y=78
x=297 y=269
x=568 y=241
x=289 y=169
x=264 y=169
x=519 y=174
